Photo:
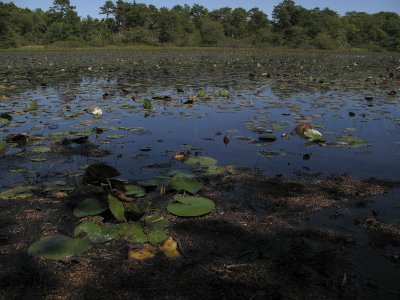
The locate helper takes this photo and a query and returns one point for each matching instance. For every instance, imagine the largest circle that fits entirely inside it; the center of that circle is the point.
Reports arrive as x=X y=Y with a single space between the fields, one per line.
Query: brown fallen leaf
x=59 y=194
x=170 y=248
x=121 y=196
x=142 y=251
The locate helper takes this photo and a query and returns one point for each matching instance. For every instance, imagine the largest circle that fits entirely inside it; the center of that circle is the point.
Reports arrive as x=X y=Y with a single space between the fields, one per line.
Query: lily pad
x=158 y=227
x=4 y=122
x=202 y=93
x=117 y=208
x=314 y=135
x=19 y=192
x=203 y=161
x=133 y=233
x=33 y=106
x=155 y=182
x=187 y=184
x=38 y=159
x=147 y=104
x=89 y=207
x=41 y=150
x=59 y=246
x=2 y=145
x=267 y=138
x=134 y=190
x=191 y=206
x=353 y=142
x=97 y=233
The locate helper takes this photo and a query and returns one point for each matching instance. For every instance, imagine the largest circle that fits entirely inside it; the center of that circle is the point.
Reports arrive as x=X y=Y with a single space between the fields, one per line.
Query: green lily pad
x=147 y=104
x=203 y=161
x=117 y=208
x=202 y=93
x=33 y=106
x=353 y=142
x=38 y=159
x=134 y=190
x=157 y=181
x=222 y=93
x=191 y=206
x=115 y=136
x=158 y=228
x=89 y=207
x=97 y=233
x=187 y=184
x=267 y=138
x=277 y=127
x=2 y=145
x=133 y=233
x=214 y=171
x=314 y=135
x=19 y=192
x=41 y=150
x=4 y=122
x=180 y=173
x=59 y=246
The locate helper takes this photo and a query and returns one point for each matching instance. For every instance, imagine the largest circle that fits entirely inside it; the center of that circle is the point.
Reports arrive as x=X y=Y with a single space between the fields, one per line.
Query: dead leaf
x=142 y=251
x=170 y=248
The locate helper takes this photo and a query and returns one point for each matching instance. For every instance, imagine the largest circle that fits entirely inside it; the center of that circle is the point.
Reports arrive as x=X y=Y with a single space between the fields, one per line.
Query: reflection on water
x=262 y=100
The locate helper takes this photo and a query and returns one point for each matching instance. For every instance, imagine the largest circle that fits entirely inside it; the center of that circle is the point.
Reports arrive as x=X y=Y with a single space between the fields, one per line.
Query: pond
x=239 y=107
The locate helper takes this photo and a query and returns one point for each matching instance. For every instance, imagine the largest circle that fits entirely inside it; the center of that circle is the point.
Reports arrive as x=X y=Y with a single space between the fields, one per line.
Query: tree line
x=125 y=23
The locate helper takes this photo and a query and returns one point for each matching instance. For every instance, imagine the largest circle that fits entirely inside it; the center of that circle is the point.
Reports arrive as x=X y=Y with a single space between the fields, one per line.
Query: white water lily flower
x=97 y=111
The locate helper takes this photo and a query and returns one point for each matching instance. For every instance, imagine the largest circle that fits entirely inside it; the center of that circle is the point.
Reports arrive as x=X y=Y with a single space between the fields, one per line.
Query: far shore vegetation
x=125 y=25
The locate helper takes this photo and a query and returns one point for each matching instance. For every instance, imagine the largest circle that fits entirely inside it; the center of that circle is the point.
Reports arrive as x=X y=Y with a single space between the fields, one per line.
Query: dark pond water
x=241 y=95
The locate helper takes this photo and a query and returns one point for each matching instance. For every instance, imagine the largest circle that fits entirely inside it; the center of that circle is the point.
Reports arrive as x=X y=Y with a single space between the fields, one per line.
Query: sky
x=91 y=7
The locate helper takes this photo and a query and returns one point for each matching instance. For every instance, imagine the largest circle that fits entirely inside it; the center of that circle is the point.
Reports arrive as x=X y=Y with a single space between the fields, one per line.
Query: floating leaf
x=2 y=145
x=33 y=106
x=277 y=127
x=115 y=136
x=38 y=159
x=18 y=193
x=267 y=138
x=147 y=104
x=89 y=207
x=59 y=246
x=187 y=184
x=117 y=208
x=142 y=252
x=202 y=93
x=314 y=135
x=133 y=233
x=97 y=233
x=222 y=93
x=213 y=171
x=41 y=150
x=134 y=190
x=353 y=142
x=4 y=122
x=191 y=206
x=203 y=161
x=170 y=248
x=157 y=181
x=180 y=173
x=158 y=227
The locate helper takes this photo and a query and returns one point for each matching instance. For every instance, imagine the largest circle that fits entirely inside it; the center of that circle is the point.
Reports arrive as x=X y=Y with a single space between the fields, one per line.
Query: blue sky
x=91 y=7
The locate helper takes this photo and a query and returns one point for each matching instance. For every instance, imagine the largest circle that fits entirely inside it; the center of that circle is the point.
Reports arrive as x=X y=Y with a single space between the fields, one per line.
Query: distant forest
x=128 y=23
